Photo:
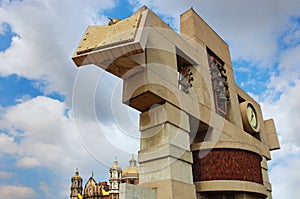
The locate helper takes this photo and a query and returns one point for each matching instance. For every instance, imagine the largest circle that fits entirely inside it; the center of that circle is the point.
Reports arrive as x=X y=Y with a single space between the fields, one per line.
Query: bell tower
x=115 y=173
x=76 y=185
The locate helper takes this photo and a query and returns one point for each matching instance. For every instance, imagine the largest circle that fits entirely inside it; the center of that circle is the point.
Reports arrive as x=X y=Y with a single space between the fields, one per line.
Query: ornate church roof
x=76 y=174
x=132 y=169
x=116 y=165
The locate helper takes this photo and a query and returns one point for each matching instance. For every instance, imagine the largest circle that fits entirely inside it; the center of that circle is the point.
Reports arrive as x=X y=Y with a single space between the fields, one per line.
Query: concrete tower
x=202 y=136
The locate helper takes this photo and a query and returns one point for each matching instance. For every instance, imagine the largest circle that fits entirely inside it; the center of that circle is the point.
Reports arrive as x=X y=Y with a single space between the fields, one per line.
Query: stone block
x=234 y=111
x=129 y=191
x=264 y=163
x=209 y=145
x=172 y=189
x=163 y=134
x=161 y=70
x=201 y=85
x=271 y=133
x=102 y=45
x=193 y=26
x=263 y=148
x=166 y=168
x=161 y=114
x=164 y=151
x=143 y=88
x=160 y=50
x=267 y=183
x=230 y=185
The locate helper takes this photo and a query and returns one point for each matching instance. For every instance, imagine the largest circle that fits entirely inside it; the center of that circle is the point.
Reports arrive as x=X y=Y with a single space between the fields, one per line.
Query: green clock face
x=251 y=115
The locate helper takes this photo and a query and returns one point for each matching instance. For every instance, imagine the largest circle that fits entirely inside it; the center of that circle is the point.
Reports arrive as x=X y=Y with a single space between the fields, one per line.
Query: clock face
x=251 y=115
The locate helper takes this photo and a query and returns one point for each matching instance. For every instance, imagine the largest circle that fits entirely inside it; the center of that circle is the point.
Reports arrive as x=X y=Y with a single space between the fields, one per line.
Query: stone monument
x=202 y=136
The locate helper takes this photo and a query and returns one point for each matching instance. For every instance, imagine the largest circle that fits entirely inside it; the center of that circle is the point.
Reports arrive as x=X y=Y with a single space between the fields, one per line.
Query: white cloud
x=289 y=73
x=5 y=175
x=51 y=138
x=281 y=102
x=27 y=162
x=46 y=131
x=48 y=32
x=7 y=144
x=283 y=175
x=285 y=182
x=43 y=186
x=16 y=191
x=285 y=161
x=23 y=98
x=250 y=27
x=282 y=97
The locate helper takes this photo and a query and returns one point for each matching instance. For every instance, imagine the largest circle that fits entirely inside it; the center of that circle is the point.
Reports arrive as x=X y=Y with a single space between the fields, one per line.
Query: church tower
x=76 y=185
x=114 y=180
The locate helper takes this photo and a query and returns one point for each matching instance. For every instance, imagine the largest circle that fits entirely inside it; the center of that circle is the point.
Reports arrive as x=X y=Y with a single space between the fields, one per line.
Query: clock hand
x=252 y=116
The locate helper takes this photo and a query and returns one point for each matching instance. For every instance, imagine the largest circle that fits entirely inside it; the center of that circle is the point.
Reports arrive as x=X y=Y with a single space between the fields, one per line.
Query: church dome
x=132 y=169
x=116 y=165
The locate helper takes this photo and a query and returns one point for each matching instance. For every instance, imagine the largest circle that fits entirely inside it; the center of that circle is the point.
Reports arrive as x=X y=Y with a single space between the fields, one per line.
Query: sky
x=55 y=117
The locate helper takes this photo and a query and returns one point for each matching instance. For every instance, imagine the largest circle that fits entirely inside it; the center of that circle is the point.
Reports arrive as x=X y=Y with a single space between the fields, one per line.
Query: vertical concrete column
x=165 y=157
x=265 y=175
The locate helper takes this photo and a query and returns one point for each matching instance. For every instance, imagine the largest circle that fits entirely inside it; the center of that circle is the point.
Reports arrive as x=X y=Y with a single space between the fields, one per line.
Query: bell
x=220 y=84
x=223 y=72
x=222 y=97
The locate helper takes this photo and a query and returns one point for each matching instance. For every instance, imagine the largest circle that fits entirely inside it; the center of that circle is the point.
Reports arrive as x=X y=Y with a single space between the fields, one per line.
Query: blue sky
x=48 y=125
x=6 y=36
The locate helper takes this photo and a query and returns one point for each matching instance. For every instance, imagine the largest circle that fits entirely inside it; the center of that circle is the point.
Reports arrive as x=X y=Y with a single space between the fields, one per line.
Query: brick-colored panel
x=227 y=164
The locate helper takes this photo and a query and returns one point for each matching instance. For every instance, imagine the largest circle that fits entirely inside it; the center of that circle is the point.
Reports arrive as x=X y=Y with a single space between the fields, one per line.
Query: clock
x=249 y=117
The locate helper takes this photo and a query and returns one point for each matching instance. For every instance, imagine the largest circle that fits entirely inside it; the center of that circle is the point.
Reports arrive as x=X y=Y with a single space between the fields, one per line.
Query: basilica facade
x=105 y=190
